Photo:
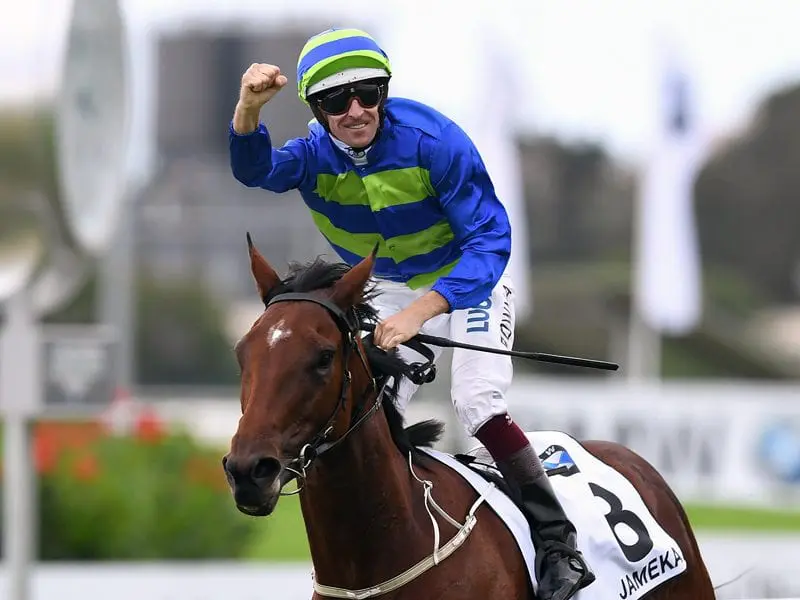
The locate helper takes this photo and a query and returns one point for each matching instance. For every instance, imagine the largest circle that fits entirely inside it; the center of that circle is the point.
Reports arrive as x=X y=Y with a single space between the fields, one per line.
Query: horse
x=318 y=409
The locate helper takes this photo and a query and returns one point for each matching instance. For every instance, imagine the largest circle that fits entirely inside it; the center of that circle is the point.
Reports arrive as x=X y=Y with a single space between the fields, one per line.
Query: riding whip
x=588 y=363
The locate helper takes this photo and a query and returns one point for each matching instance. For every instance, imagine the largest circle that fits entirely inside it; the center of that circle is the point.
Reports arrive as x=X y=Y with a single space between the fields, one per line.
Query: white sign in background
x=769 y=566
x=734 y=443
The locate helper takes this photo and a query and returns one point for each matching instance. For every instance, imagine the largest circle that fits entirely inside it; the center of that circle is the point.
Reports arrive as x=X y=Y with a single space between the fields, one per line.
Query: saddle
x=481 y=462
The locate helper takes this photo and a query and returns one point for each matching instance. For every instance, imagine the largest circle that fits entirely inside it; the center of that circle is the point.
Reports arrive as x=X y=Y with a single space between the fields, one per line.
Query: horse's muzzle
x=255 y=483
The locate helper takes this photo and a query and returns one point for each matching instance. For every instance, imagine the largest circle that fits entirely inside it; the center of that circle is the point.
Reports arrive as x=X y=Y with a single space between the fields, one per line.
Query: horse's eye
x=324 y=360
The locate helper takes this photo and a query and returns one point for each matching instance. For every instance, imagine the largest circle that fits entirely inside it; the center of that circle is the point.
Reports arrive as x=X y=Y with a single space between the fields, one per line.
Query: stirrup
x=573 y=556
x=576 y=564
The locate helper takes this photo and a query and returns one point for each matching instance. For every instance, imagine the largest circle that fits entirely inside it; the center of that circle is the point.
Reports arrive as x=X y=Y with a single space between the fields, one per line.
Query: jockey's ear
x=265 y=276
x=349 y=290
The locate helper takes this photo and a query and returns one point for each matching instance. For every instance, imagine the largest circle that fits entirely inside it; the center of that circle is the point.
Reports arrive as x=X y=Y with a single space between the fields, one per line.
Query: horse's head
x=295 y=377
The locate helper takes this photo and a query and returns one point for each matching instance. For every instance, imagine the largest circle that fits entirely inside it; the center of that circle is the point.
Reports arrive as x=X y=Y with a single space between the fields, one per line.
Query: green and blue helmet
x=336 y=57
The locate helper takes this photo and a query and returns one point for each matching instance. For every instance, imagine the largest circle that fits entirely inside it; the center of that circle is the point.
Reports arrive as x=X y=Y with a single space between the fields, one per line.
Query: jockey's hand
x=398 y=328
x=259 y=84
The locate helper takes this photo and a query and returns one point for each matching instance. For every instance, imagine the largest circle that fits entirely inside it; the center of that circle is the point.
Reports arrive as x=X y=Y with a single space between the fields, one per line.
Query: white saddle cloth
x=627 y=549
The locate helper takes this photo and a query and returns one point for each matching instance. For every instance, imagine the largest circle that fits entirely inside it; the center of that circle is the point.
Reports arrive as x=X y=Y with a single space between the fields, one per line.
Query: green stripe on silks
x=360 y=244
x=379 y=190
x=398 y=248
x=399 y=186
x=346 y=189
x=428 y=279
x=403 y=247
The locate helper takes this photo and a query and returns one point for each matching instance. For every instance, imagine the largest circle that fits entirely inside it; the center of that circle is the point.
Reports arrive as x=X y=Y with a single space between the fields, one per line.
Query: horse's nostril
x=265 y=468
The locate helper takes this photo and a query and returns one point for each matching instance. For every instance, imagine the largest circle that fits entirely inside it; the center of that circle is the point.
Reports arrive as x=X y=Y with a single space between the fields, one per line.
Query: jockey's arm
x=245 y=120
x=477 y=217
x=256 y=163
x=429 y=305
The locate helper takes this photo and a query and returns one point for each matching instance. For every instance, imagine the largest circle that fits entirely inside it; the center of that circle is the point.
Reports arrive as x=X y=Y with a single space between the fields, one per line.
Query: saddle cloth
x=627 y=549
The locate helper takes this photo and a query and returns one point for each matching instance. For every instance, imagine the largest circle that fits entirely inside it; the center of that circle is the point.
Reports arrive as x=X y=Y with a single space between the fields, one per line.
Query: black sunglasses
x=337 y=101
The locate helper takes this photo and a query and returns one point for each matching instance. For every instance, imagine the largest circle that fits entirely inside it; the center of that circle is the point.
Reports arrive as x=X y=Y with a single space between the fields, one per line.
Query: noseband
x=319 y=444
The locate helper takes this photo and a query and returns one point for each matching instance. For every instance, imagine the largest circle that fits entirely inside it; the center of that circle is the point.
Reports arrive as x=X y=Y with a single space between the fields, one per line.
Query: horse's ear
x=263 y=273
x=349 y=290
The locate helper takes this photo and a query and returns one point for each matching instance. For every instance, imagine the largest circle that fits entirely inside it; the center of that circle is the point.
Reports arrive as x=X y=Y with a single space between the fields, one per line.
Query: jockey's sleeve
x=255 y=163
x=477 y=217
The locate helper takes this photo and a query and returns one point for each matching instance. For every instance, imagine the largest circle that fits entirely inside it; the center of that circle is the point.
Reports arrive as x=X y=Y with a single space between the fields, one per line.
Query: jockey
x=398 y=173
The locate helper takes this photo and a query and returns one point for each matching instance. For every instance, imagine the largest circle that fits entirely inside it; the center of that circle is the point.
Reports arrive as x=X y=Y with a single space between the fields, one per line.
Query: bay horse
x=317 y=410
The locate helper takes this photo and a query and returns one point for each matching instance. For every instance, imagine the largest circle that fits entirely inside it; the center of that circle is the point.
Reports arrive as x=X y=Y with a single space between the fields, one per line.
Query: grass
x=284 y=537
x=742 y=519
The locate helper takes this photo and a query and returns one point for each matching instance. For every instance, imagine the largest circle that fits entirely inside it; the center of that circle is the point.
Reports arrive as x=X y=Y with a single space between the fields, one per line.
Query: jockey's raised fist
x=259 y=84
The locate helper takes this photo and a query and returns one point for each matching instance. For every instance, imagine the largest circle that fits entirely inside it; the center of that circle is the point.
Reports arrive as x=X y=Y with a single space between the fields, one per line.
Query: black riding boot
x=560 y=568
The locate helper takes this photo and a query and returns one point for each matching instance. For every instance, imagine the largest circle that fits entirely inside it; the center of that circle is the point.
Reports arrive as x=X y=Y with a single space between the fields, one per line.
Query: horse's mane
x=319 y=275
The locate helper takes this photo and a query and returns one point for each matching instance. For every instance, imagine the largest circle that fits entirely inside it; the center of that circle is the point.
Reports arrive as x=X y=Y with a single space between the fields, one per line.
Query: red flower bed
x=144 y=493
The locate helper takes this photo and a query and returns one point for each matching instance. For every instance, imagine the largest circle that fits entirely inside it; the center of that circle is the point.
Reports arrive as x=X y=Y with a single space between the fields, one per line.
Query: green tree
x=181 y=337
x=747 y=200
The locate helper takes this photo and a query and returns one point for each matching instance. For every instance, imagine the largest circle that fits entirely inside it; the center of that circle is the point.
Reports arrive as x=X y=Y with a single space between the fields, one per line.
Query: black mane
x=320 y=275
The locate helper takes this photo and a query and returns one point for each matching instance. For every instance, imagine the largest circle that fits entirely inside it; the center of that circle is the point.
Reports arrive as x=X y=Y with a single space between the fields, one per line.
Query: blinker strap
x=338 y=314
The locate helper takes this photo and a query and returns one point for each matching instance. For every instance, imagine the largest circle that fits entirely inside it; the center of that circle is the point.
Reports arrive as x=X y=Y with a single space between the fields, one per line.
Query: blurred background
x=646 y=152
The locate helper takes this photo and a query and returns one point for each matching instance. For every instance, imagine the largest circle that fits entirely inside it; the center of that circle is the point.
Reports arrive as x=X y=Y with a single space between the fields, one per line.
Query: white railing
x=167 y=581
x=708 y=440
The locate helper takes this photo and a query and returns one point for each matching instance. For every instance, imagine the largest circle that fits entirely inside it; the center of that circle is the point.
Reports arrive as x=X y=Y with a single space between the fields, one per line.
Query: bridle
x=349 y=326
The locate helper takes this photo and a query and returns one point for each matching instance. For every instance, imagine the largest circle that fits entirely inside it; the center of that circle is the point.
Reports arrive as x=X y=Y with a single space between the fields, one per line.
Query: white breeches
x=479 y=380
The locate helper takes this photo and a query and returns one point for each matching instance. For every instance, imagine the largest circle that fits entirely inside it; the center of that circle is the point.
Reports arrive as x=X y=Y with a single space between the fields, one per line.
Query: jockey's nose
x=355 y=110
x=258 y=470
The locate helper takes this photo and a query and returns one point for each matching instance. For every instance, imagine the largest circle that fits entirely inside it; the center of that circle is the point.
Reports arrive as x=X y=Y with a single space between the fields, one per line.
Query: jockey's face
x=353 y=112
x=357 y=127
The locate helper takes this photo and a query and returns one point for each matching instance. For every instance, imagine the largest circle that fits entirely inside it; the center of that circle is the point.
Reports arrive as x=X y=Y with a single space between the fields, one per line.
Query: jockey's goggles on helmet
x=337 y=101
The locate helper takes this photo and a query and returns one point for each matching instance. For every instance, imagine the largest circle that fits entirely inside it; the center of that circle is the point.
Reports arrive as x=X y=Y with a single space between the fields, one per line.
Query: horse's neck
x=358 y=507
